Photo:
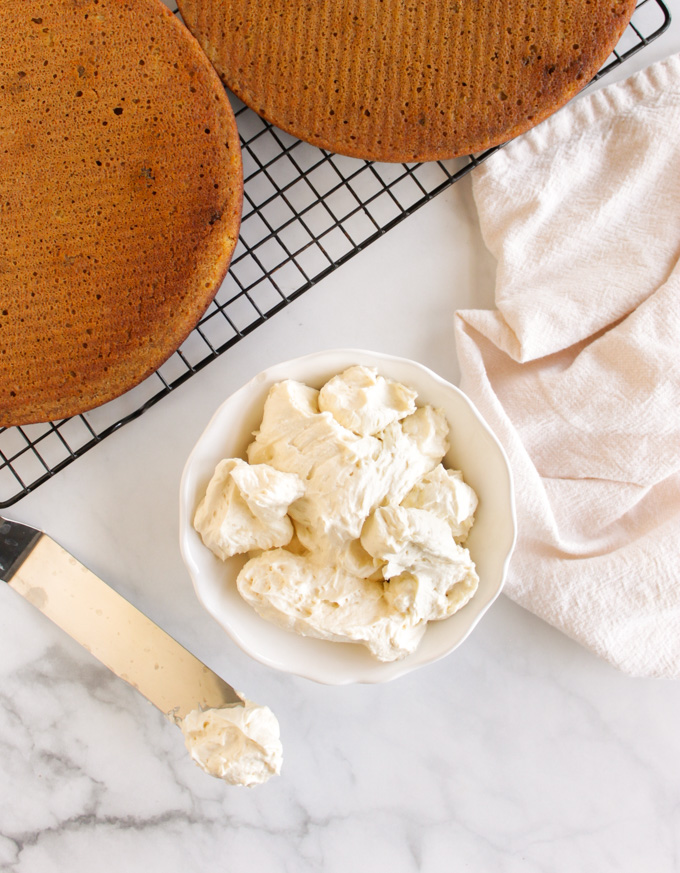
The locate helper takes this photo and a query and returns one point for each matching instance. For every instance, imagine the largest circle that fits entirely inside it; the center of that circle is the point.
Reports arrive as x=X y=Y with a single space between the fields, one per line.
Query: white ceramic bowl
x=474 y=450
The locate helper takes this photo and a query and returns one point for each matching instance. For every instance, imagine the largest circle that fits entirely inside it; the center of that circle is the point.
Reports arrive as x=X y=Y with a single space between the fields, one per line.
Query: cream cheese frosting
x=445 y=494
x=365 y=402
x=320 y=600
x=238 y=743
x=346 y=476
x=245 y=507
x=429 y=574
x=375 y=549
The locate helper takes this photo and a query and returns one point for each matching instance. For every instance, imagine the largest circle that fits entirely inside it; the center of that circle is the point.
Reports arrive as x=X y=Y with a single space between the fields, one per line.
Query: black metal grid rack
x=306 y=211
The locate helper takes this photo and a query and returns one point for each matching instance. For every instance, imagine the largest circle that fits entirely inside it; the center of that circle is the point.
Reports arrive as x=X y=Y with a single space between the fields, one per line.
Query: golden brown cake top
x=401 y=80
x=120 y=198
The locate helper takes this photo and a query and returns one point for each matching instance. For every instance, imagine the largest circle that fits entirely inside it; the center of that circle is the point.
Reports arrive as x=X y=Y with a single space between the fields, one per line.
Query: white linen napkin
x=578 y=368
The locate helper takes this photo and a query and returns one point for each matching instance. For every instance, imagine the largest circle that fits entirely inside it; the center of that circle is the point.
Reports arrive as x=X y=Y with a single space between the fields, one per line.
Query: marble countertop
x=519 y=752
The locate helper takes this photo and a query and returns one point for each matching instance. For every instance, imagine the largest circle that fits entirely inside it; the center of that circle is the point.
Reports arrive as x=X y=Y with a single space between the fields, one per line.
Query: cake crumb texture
x=400 y=80
x=120 y=198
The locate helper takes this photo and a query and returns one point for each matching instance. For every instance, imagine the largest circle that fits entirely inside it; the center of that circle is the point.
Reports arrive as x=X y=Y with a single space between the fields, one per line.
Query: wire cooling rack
x=306 y=211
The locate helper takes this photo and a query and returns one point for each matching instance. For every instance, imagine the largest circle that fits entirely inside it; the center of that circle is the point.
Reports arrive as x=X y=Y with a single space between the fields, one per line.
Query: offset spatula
x=109 y=627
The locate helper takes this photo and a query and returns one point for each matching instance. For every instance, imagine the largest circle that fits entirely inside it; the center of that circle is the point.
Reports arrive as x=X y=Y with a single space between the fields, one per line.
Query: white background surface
x=520 y=752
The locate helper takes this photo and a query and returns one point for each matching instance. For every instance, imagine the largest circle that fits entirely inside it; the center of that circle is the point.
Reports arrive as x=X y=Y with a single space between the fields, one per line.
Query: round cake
x=120 y=198
x=398 y=80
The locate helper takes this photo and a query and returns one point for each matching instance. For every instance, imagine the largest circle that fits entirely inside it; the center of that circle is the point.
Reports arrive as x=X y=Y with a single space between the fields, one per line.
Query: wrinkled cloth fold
x=577 y=369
